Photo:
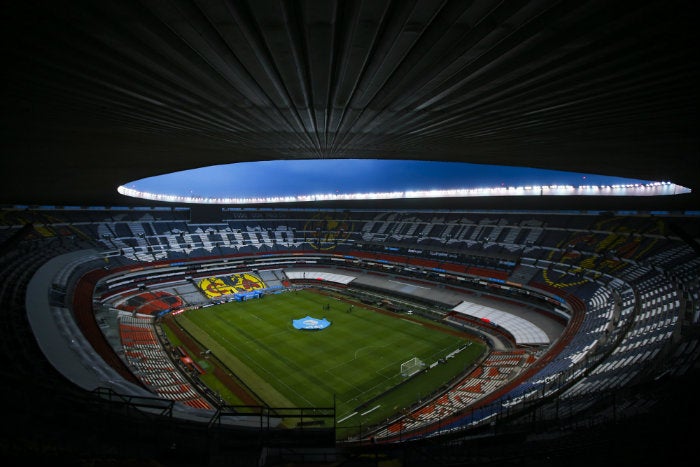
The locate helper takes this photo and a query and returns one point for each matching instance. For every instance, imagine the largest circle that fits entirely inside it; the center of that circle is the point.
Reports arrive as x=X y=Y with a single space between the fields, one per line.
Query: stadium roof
x=97 y=94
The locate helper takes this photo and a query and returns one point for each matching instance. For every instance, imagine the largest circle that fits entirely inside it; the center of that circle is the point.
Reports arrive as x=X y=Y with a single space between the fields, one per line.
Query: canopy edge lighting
x=646 y=189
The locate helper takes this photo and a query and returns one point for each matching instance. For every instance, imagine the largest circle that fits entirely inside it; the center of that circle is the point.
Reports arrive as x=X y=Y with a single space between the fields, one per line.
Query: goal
x=411 y=367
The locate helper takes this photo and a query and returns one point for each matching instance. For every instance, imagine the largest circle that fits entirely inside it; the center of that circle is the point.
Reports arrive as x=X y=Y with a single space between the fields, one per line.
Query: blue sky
x=331 y=176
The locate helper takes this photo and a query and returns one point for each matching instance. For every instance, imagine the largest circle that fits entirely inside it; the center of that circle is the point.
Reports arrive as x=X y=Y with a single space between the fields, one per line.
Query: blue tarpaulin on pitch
x=240 y=296
x=310 y=323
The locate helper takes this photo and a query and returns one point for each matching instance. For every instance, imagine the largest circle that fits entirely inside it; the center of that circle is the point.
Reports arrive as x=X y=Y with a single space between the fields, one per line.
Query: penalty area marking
x=369 y=347
x=345 y=418
x=371 y=410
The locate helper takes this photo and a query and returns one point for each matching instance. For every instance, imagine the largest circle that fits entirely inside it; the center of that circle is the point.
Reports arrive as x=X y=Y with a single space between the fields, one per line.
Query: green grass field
x=354 y=362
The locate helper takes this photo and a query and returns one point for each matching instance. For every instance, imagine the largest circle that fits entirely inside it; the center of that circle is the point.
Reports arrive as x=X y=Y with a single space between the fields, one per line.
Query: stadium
x=462 y=330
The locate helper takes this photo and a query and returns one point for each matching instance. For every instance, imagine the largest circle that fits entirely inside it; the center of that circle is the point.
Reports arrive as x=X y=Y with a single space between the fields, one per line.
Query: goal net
x=411 y=367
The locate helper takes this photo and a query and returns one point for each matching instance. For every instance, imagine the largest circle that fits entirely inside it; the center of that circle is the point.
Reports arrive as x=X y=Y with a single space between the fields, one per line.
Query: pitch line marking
x=410 y=285
x=345 y=418
x=369 y=347
x=261 y=367
x=412 y=322
x=371 y=410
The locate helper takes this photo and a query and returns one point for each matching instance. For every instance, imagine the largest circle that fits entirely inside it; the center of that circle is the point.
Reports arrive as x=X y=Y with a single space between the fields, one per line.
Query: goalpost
x=411 y=367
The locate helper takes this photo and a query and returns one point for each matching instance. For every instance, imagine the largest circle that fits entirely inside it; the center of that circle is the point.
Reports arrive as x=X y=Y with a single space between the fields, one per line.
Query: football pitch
x=354 y=363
